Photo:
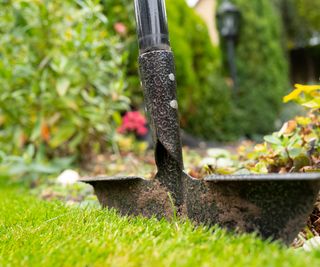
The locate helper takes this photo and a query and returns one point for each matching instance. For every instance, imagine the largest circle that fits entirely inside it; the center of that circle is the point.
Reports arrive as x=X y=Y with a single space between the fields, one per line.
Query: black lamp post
x=228 y=18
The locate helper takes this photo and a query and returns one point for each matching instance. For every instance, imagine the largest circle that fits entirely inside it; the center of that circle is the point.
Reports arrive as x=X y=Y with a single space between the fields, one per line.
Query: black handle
x=152 y=27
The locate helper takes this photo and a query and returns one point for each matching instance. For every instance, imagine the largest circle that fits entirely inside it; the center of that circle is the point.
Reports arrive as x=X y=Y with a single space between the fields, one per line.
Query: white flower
x=68 y=177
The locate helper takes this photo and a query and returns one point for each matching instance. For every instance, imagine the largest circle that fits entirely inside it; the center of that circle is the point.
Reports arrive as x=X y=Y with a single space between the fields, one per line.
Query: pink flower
x=142 y=131
x=133 y=122
x=120 y=28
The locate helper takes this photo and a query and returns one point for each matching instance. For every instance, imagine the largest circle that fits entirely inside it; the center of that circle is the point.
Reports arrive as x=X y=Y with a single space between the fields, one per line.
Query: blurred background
x=69 y=85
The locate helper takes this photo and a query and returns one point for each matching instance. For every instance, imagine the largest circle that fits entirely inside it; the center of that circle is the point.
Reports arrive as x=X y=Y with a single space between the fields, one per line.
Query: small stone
x=171 y=77
x=174 y=104
x=68 y=177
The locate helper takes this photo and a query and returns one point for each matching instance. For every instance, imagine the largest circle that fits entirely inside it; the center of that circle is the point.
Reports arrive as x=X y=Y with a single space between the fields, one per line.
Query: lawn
x=34 y=232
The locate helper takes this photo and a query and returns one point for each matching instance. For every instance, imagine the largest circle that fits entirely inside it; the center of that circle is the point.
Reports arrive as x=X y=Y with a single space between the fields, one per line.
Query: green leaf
x=62 y=86
x=63 y=134
x=272 y=139
x=313 y=104
x=42 y=168
x=301 y=161
x=76 y=140
x=117 y=117
x=36 y=131
x=295 y=152
x=18 y=169
x=63 y=163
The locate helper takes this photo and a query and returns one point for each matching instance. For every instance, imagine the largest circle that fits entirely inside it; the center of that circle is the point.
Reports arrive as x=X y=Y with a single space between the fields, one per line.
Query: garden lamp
x=228 y=18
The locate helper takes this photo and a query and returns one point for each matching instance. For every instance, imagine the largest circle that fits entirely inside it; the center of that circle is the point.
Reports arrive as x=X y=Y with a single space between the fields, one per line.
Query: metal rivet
x=174 y=104
x=171 y=77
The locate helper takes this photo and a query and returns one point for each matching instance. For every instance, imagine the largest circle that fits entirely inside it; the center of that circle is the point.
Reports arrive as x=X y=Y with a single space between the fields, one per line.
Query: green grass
x=38 y=233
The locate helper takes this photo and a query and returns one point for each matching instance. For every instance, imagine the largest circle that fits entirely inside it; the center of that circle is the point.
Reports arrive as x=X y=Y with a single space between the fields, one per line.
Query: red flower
x=135 y=122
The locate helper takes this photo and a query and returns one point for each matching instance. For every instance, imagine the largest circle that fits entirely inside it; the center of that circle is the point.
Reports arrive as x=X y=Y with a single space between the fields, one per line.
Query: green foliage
x=296 y=147
x=309 y=11
x=32 y=165
x=262 y=67
x=62 y=79
x=301 y=19
x=38 y=233
x=307 y=96
x=202 y=92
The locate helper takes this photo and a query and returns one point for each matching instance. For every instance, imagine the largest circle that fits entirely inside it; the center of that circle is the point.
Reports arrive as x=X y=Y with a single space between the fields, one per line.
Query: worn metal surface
x=133 y=196
x=158 y=81
x=265 y=177
x=275 y=206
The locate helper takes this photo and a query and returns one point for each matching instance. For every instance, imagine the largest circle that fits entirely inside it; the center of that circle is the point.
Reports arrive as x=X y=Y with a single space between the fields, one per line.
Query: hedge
x=262 y=67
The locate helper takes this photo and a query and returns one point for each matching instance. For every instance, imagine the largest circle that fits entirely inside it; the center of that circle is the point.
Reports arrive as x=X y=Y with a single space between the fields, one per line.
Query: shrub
x=62 y=79
x=301 y=20
x=296 y=147
x=308 y=13
x=204 y=98
x=262 y=67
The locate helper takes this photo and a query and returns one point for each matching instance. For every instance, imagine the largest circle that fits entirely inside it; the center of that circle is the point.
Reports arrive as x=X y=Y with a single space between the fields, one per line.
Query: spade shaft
x=152 y=26
x=157 y=74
